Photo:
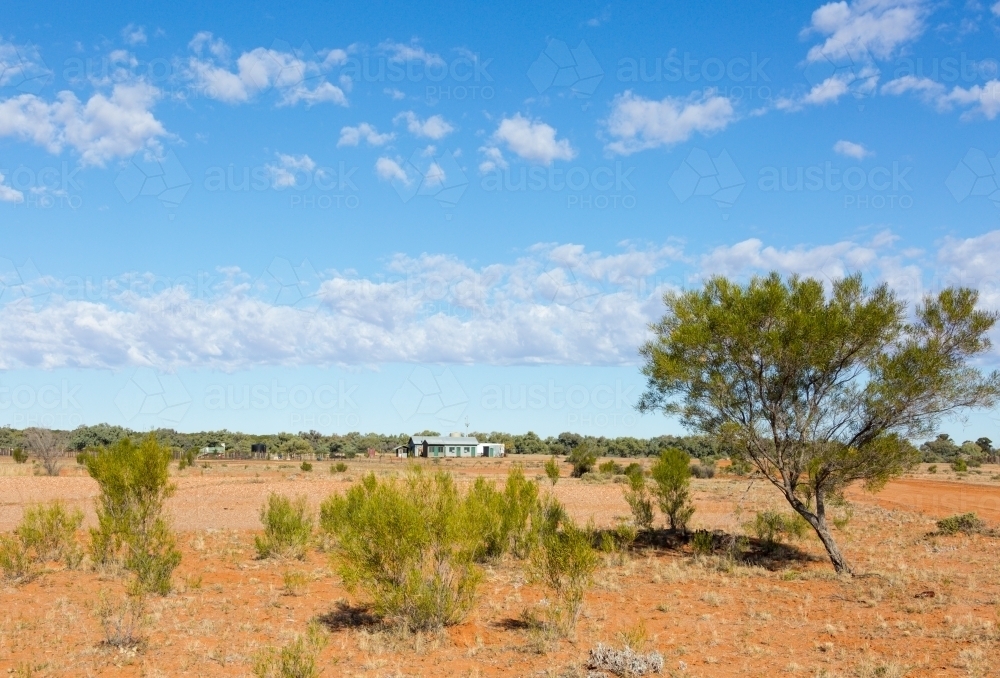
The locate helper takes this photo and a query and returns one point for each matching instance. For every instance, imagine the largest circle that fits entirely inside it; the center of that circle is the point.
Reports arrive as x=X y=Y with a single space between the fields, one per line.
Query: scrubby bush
x=16 y=564
x=49 y=532
x=626 y=662
x=306 y=466
x=187 y=459
x=959 y=466
x=410 y=544
x=19 y=455
x=564 y=562
x=968 y=523
x=638 y=498
x=339 y=467
x=611 y=468
x=122 y=621
x=703 y=470
x=672 y=478
x=288 y=527
x=702 y=543
x=582 y=457
x=552 y=469
x=772 y=527
x=298 y=659
x=932 y=468
x=132 y=530
x=504 y=517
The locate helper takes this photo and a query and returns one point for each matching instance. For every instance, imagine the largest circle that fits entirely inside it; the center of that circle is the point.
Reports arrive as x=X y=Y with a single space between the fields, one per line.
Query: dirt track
x=936 y=498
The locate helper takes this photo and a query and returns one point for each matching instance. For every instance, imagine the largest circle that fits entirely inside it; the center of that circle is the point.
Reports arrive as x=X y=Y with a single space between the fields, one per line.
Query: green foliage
x=672 y=478
x=19 y=455
x=187 y=459
x=772 y=527
x=959 y=466
x=703 y=470
x=582 y=457
x=339 y=467
x=552 y=469
x=564 y=562
x=298 y=659
x=16 y=564
x=49 y=532
x=702 y=543
x=967 y=523
x=306 y=467
x=611 y=467
x=817 y=387
x=132 y=530
x=932 y=468
x=411 y=545
x=503 y=517
x=288 y=526
x=638 y=498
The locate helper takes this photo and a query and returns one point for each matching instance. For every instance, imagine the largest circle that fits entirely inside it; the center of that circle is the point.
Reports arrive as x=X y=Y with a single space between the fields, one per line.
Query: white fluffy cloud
x=978 y=100
x=284 y=172
x=352 y=136
x=8 y=194
x=532 y=140
x=134 y=35
x=434 y=127
x=851 y=149
x=880 y=27
x=388 y=169
x=638 y=123
x=103 y=128
x=296 y=76
x=823 y=261
x=400 y=53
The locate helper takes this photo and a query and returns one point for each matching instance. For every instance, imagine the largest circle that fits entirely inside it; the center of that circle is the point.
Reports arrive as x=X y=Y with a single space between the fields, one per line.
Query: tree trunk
x=818 y=522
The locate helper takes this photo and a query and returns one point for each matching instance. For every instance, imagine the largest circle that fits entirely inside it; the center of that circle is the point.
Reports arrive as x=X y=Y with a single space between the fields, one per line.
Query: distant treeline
x=356 y=444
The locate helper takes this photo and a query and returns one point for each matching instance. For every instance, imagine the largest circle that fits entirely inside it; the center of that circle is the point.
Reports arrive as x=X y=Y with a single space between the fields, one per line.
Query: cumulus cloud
x=638 y=123
x=400 y=53
x=977 y=101
x=492 y=159
x=352 y=136
x=134 y=35
x=296 y=76
x=434 y=127
x=851 y=149
x=877 y=26
x=8 y=194
x=532 y=140
x=388 y=169
x=284 y=172
x=103 y=128
x=823 y=261
x=995 y=9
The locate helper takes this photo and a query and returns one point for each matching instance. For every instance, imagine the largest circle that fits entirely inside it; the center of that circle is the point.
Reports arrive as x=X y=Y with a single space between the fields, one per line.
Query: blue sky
x=389 y=217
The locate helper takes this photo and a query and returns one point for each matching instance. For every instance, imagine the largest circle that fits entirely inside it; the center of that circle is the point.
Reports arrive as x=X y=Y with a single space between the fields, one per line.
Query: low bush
x=932 y=468
x=339 y=467
x=638 y=498
x=288 y=527
x=672 y=478
x=49 y=531
x=122 y=621
x=967 y=523
x=772 y=527
x=504 y=517
x=959 y=466
x=298 y=659
x=132 y=530
x=306 y=466
x=411 y=544
x=612 y=468
x=702 y=543
x=625 y=662
x=16 y=564
x=19 y=455
x=582 y=457
x=701 y=470
x=564 y=562
x=552 y=469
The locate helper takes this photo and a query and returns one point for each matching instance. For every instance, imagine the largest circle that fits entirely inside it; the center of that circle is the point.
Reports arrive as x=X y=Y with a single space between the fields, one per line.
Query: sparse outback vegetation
x=288 y=528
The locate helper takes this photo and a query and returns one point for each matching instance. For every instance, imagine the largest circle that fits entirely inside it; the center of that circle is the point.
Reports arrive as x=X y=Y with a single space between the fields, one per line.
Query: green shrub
x=552 y=469
x=638 y=499
x=968 y=523
x=288 y=528
x=582 y=457
x=187 y=459
x=932 y=468
x=611 y=468
x=49 y=531
x=672 y=478
x=772 y=527
x=634 y=467
x=702 y=470
x=20 y=456
x=959 y=466
x=339 y=467
x=306 y=466
x=564 y=562
x=298 y=659
x=16 y=564
x=132 y=530
x=411 y=545
x=702 y=543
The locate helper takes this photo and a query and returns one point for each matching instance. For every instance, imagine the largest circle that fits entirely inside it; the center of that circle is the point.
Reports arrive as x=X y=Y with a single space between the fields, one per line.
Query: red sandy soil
x=926 y=605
